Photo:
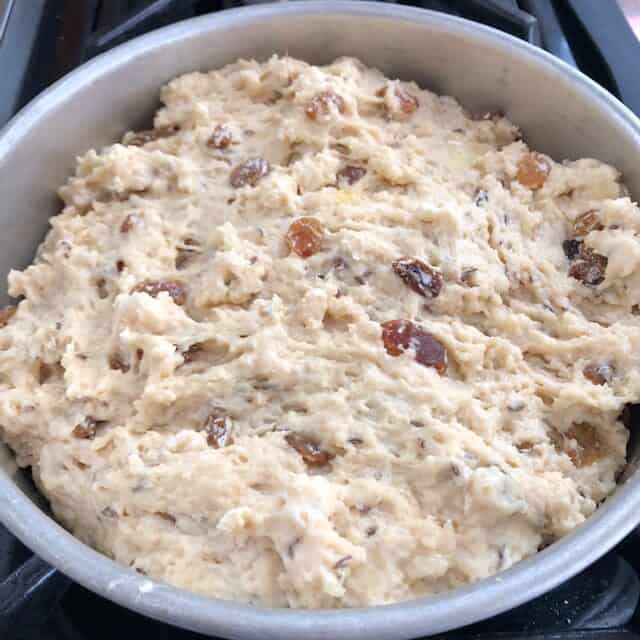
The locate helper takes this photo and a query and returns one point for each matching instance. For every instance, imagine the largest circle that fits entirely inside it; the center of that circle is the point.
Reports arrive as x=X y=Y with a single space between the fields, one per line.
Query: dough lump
x=324 y=339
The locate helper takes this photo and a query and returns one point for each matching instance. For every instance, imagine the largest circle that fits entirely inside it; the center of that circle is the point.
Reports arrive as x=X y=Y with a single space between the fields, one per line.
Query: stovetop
x=41 y=40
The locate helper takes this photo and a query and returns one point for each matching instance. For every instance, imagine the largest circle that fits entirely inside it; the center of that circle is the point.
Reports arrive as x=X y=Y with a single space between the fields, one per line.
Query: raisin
x=175 y=289
x=117 y=196
x=340 y=147
x=309 y=449
x=362 y=278
x=408 y=102
x=131 y=221
x=117 y=363
x=45 y=371
x=249 y=172
x=294 y=156
x=66 y=248
x=419 y=276
x=291 y=549
x=599 y=372
x=221 y=137
x=102 y=288
x=139 y=354
x=320 y=104
x=184 y=254
x=141 y=138
x=396 y=335
x=589 y=268
x=340 y=264
x=86 y=430
x=120 y=265
x=304 y=237
x=572 y=248
x=492 y=116
x=533 y=170
x=217 y=426
x=191 y=351
x=350 y=174
x=590 y=447
x=166 y=516
x=480 y=198
x=586 y=223
x=400 y=335
x=516 y=405
x=467 y=276
x=343 y=562
x=6 y=313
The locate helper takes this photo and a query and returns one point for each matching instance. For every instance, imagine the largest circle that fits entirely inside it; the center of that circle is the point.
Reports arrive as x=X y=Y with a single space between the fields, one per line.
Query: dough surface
x=214 y=392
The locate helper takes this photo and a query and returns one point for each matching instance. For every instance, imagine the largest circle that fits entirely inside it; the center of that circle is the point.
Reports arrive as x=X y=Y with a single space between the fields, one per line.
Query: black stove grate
x=41 y=40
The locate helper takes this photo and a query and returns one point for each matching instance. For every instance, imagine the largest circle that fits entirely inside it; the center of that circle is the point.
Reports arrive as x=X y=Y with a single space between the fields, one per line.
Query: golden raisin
x=533 y=170
x=321 y=104
x=309 y=449
x=400 y=335
x=249 y=172
x=217 y=426
x=86 y=430
x=590 y=447
x=408 y=102
x=141 y=138
x=419 y=276
x=221 y=137
x=351 y=174
x=6 y=313
x=599 y=372
x=304 y=237
x=175 y=289
x=586 y=223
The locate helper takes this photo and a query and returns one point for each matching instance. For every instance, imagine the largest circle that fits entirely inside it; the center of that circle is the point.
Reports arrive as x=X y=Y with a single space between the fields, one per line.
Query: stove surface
x=41 y=40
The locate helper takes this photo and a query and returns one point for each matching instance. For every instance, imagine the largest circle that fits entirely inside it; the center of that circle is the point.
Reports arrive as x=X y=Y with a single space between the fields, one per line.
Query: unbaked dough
x=323 y=339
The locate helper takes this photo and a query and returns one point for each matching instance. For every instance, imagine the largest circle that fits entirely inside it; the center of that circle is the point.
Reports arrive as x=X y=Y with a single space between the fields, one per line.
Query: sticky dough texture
x=435 y=480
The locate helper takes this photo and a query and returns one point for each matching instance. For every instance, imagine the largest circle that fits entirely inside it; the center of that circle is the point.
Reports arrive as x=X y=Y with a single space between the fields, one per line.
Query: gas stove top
x=41 y=40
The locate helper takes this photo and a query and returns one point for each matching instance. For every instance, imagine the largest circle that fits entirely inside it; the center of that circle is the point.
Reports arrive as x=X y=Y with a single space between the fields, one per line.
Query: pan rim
x=527 y=579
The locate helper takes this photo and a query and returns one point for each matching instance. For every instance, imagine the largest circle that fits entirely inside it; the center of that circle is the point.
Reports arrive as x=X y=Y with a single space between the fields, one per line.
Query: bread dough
x=204 y=390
